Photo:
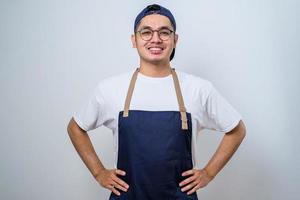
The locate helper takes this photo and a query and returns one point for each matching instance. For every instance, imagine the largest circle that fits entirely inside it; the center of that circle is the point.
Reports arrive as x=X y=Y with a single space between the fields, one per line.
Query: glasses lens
x=165 y=34
x=146 y=34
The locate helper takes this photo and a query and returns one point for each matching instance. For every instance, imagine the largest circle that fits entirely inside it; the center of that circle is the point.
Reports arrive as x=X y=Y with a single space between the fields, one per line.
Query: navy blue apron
x=154 y=148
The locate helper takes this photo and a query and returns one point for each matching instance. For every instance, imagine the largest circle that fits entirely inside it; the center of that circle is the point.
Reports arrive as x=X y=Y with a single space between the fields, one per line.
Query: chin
x=156 y=60
x=160 y=58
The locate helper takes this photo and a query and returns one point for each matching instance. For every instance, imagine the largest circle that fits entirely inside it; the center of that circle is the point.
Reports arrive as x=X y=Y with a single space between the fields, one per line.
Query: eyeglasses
x=147 y=33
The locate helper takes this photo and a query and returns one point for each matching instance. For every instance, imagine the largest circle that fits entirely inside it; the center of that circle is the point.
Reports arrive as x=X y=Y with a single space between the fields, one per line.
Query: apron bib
x=154 y=148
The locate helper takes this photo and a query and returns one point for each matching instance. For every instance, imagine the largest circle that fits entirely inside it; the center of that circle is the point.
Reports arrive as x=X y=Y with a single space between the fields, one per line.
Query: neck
x=155 y=70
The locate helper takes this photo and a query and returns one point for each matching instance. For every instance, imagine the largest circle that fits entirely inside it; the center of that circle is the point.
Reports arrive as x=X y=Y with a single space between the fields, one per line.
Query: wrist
x=209 y=173
x=98 y=173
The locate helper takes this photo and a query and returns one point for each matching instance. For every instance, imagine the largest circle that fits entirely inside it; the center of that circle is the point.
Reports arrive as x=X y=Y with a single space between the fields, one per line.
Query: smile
x=155 y=50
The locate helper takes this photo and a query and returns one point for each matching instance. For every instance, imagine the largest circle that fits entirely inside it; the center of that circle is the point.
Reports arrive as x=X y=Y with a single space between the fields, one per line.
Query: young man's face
x=156 y=50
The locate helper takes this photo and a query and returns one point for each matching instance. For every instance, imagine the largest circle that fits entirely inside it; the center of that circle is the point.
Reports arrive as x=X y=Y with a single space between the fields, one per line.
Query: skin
x=155 y=66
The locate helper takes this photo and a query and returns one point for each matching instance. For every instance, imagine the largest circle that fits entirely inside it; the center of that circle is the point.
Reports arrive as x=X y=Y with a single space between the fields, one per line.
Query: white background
x=53 y=53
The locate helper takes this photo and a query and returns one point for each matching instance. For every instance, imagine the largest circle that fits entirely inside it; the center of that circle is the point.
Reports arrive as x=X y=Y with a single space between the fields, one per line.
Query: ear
x=175 y=39
x=133 y=41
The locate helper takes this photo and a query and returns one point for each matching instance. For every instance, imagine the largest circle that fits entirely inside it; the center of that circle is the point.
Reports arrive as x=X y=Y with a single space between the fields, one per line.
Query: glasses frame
x=153 y=33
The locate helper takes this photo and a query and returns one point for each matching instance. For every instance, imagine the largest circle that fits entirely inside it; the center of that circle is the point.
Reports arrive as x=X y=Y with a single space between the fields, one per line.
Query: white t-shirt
x=209 y=110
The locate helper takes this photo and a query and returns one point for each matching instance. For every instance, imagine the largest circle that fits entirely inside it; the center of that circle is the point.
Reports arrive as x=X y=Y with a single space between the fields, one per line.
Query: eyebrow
x=162 y=27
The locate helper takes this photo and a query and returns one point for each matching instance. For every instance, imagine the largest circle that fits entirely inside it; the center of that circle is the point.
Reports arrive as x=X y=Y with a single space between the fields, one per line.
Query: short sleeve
x=91 y=114
x=219 y=115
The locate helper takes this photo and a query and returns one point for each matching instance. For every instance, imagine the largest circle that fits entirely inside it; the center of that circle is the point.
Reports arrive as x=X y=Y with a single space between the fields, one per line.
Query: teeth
x=155 y=48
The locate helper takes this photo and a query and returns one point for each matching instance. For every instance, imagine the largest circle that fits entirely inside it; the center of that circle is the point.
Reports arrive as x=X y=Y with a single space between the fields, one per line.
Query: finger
x=120 y=184
x=118 y=180
x=198 y=186
x=188 y=187
x=202 y=184
x=120 y=172
x=120 y=188
x=193 y=190
x=189 y=172
x=114 y=190
x=110 y=186
x=187 y=181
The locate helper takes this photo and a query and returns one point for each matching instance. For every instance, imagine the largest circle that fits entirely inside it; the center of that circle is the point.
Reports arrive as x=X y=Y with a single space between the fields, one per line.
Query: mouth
x=155 y=50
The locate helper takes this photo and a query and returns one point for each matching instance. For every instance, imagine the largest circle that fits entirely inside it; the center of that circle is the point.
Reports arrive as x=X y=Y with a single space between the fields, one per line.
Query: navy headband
x=155 y=9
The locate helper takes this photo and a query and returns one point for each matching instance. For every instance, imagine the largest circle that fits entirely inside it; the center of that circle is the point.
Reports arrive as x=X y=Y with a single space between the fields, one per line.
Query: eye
x=146 y=32
x=165 y=32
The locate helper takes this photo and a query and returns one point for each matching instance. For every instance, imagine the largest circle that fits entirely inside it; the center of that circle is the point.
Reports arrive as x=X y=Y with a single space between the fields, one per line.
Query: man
x=155 y=113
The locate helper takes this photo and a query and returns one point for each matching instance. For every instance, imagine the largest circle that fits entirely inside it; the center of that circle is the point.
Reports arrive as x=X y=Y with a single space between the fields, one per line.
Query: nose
x=155 y=37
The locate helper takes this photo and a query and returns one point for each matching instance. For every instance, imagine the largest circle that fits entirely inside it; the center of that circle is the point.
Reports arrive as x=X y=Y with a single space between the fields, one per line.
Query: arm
x=225 y=151
x=86 y=151
x=84 y=148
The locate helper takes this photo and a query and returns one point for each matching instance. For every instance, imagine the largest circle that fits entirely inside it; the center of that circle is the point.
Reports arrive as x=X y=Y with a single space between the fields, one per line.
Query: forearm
x=84 y=148
x=226 y=149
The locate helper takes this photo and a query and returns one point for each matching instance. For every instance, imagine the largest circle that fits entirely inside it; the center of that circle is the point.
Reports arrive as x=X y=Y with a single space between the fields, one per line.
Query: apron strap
x=180 y=101
x=129 y=92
